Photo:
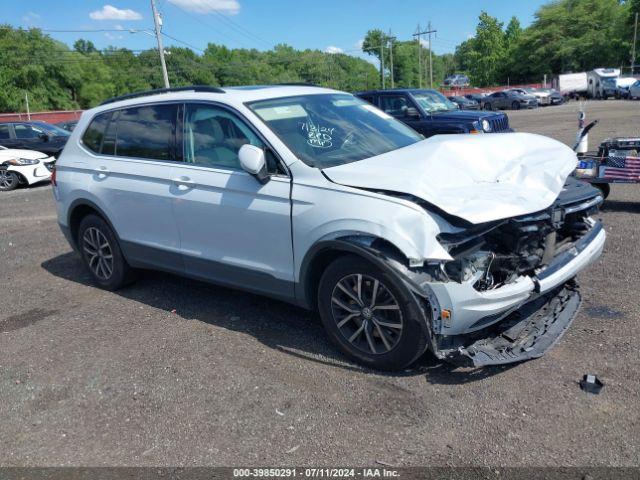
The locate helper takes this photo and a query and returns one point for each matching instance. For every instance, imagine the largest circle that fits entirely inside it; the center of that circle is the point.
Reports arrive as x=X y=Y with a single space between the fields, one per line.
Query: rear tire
x=515 y=105
x=379 y=323
x=8 y=180
x=487 y=106
x=101 y=254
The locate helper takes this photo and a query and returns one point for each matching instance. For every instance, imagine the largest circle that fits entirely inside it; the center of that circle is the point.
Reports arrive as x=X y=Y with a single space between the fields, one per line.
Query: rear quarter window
x=94 y=134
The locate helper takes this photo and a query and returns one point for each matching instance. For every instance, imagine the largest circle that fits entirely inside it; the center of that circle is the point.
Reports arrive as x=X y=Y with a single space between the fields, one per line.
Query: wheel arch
x=78 y=210
x=376 y=250
x=22 y=180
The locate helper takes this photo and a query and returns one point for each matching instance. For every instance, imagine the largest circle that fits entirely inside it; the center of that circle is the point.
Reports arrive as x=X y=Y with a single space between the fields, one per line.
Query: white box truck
x=571 y=85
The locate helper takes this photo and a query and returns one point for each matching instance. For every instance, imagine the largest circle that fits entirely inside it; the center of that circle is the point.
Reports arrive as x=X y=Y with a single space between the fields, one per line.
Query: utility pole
x=429 y=31
x=382 y=62
x=158 y=24
x=633 y=48
x=26 y=99
x=419 y=34
x=391 y=38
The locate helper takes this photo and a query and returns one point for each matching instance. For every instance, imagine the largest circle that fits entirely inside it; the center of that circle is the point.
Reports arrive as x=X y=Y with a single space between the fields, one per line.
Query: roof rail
x=192 y=88
x=296 y=84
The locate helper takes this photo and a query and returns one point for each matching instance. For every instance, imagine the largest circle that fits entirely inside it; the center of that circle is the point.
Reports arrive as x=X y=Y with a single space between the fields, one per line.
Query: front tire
x=604 y=188
x=101 y=254
x=8 y=180
x=515 y=105
x=487 y=106
x=369 y=316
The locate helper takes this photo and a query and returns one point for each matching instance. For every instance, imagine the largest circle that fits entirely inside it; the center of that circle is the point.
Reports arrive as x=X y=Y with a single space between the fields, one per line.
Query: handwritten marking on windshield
x=317 y=135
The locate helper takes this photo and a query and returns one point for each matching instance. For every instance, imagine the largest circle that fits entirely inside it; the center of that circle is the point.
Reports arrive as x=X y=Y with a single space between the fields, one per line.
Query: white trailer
x=601 y=82
x=571 y=84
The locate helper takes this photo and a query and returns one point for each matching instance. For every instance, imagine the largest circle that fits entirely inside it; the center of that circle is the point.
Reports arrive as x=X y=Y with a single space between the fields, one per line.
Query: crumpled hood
x=478 y=178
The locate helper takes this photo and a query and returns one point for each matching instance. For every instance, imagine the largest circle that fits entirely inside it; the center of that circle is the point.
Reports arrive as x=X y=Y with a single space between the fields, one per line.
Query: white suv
x=466 y=245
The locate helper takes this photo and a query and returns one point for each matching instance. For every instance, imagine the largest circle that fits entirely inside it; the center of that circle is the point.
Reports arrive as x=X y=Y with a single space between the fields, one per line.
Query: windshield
x=433 y=102
x=333 y=129
x=609 y=82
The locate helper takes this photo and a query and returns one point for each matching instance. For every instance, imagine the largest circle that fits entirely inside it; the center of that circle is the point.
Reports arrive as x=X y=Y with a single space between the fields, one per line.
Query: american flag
x=621 y=168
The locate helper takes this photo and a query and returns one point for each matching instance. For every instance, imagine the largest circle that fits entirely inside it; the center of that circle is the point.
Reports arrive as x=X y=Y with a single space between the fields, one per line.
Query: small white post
x=583 y=143
x=26 y=99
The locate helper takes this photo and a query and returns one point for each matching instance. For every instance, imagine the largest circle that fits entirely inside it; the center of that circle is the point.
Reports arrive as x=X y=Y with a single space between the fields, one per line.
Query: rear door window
x=369 y=98
x=24 y=131
x=394 y=105
x=145 y=132
x=4 y=132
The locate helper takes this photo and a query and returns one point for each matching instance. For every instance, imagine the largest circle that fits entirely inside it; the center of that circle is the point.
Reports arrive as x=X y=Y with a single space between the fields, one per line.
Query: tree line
x=565 y=36
x=57 y=77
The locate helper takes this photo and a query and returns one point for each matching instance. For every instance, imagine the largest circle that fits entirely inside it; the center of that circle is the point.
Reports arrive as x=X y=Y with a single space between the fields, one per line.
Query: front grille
x=499 y=124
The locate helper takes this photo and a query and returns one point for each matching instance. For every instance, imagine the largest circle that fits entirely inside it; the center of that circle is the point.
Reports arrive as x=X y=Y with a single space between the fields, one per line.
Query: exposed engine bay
x=517 y=247
x=497 y=254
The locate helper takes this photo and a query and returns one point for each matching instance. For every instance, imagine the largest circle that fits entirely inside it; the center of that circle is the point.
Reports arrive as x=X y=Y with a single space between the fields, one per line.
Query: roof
x=228 y=95
x=397 y=90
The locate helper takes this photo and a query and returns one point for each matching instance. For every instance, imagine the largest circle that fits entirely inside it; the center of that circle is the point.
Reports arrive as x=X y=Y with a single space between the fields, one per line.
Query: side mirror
x=44 y=137
x=411 y=112
x=253 y=161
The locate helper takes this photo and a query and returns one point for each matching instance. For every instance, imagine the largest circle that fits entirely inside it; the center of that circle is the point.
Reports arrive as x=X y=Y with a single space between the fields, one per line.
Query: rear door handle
x=102 y=172
x=184 y=183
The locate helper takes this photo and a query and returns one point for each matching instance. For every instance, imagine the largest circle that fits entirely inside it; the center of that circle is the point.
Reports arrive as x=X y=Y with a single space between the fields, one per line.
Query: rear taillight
x=53 y=177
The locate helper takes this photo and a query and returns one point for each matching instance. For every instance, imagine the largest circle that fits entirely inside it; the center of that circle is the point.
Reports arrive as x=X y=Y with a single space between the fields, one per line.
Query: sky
x=330 y=25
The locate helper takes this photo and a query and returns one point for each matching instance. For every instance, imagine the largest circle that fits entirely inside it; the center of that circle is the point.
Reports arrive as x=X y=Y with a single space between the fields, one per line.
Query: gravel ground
x=176 y=372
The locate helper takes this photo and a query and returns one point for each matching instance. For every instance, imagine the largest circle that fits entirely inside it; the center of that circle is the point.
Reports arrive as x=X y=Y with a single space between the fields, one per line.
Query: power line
x=86 y=30
x=228 y=23
x=241 y=28
x=183 y=42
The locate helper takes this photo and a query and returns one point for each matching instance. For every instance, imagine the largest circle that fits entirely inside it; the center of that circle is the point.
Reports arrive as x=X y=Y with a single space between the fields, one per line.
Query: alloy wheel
x=7 y=179
x=367 y=314
x=99 y=253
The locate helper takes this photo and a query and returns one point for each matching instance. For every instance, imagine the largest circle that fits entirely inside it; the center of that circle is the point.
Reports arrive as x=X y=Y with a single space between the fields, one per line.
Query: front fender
x=384 y=256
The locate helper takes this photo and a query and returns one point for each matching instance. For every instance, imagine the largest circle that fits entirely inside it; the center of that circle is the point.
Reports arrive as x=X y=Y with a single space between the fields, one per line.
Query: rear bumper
x=472 y=310
x=66 y=231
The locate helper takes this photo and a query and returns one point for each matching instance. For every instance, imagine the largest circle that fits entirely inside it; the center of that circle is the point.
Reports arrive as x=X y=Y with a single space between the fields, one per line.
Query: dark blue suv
x=431 y=113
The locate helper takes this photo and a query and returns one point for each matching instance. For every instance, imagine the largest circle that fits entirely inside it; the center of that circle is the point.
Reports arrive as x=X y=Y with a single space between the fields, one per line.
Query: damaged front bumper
x=514 y=322
x=525 y=334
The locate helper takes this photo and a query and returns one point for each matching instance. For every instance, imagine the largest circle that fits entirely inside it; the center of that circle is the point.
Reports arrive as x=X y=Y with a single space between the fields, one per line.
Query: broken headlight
x=474 y=267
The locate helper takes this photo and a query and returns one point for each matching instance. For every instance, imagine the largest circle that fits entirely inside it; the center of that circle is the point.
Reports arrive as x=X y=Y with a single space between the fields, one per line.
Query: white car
x=466 y=245
x=543 y=96
x=634 y=90
x=23 y=167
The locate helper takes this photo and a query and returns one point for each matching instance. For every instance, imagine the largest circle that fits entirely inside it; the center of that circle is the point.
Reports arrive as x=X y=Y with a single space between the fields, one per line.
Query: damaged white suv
x=465 y=245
